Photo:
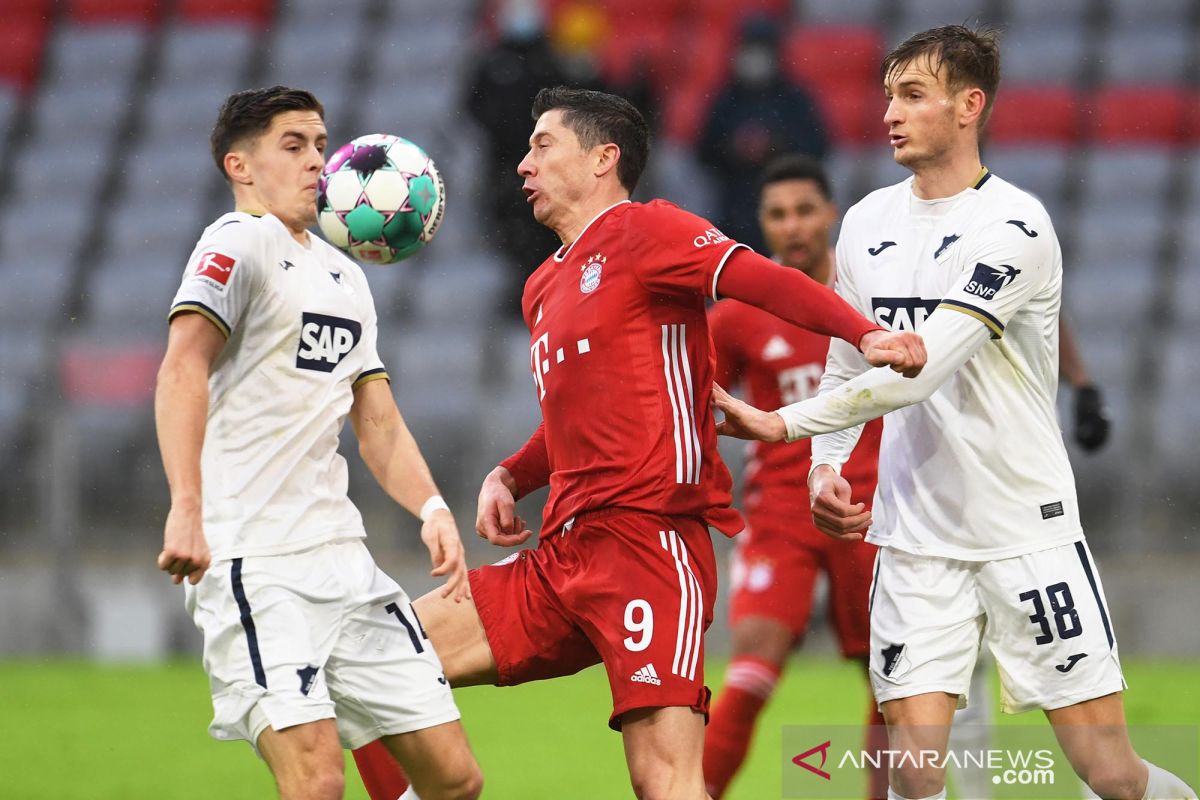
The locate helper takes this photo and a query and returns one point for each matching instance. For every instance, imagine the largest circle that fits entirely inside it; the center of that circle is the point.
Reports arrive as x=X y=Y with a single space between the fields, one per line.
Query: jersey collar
x=563 y=252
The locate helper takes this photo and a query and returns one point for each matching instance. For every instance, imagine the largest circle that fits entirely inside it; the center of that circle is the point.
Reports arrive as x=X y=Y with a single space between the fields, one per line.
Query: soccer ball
x=380 y=199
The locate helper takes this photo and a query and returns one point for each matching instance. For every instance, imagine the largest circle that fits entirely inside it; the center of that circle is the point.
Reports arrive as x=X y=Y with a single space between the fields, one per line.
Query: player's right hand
x=496 y=519
x=903 y=351
x=833 y=513
x=185 y=551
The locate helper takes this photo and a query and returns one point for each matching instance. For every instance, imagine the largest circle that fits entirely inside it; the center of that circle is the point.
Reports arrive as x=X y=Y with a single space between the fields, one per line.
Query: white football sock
x=1163 y=785
x=411 y=794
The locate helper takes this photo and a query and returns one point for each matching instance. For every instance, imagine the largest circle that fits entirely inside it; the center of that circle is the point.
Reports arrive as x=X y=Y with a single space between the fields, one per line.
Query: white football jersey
x=301 y=330
x=977 y=471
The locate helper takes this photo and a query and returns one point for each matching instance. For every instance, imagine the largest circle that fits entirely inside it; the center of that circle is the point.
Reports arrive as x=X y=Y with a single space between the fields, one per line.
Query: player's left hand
x=440 y=535
x=903 y=351
x=833 y=513
x=744 y=421
x=1091 y=423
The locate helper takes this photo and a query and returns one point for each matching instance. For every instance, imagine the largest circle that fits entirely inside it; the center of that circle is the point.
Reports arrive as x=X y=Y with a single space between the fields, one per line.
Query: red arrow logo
x=823 y=749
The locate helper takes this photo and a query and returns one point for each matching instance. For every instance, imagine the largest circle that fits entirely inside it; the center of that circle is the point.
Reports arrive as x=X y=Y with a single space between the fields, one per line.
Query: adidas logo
x=646 y=675
x=776 y=348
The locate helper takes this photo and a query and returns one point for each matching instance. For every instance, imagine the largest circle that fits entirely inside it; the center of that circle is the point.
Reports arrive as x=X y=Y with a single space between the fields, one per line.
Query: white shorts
x=1043 y=615
x=314 y=635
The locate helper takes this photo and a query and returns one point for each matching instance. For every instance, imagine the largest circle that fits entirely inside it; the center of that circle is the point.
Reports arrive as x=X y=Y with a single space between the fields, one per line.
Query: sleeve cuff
x=994 y=325
x=371 y=375
x=721 y=265
x=193 y=307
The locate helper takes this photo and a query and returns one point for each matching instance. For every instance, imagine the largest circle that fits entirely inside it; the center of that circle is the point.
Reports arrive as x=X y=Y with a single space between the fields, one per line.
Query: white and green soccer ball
x=380 y=199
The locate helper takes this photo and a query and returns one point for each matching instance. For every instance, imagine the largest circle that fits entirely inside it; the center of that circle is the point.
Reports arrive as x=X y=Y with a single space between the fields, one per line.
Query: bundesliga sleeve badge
x=216 y=268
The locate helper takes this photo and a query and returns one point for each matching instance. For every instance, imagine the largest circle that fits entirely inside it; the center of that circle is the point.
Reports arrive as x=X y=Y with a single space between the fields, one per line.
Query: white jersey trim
x=691 y=605
x=678 y=375
x=721 y=266
x=563 y=252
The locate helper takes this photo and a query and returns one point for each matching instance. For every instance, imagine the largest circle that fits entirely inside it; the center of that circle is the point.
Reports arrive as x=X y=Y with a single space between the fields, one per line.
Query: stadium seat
x=1134 y=13
x=182 y=113
x=1140 y=115
x=254 y=12
x=838 y=12
x=44 y=278
x=21 y=46
x=214 y=54
x=1057 y=15
x=98 y=58
x=853 y=114
x=62 y=110
x=109 y=374
x=916 y=17
x=1177 y=414
x=462 y=290
x=93 y=12
x=1039 y=169
x=1146 y=55
x=820 y=56
x=1035 y=53
x=1126 y=176
x=10 y=109
x=308 y=54
x=1034 y=115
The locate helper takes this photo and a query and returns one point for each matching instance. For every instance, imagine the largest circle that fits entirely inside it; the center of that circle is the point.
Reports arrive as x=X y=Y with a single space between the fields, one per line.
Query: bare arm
x=1070 y=360
x=390 y=452
x=181 y=415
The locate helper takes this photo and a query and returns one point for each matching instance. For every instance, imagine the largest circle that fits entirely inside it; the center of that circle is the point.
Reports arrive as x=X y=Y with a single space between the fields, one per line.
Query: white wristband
x=434 y=503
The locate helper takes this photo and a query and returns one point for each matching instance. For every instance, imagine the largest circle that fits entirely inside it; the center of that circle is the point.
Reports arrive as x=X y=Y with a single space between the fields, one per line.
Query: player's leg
x=926 y=625
x=664 y=748
x=439 y=762
x=971 y=733
x=387 y=682
x=641 y=589
x=851 y=570
x=306 y=760
x=269 y=625
x=457 y=633
x=1050 y=631
x=770 y=602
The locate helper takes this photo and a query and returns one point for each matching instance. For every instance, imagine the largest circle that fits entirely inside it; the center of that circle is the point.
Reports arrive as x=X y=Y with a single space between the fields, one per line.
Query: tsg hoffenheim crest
x=592 y=268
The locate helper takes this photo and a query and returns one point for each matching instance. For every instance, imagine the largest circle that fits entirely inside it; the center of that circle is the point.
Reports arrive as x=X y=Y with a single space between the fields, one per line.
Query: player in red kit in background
x=624 y=572
x=781 y=553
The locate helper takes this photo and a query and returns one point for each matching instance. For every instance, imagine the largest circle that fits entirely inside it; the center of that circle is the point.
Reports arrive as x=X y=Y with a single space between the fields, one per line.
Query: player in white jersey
x=975 y=513
x=272 y=345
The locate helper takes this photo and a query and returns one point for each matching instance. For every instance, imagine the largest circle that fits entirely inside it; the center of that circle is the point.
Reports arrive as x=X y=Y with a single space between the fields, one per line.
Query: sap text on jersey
x=902 y=313
x=710 y=236
x=325 y=340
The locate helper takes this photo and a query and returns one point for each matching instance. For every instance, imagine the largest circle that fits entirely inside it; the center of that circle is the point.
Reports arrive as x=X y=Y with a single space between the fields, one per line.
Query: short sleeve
x=221 y=277
x=373 y=368
x=678 y=252
x=1004 y=270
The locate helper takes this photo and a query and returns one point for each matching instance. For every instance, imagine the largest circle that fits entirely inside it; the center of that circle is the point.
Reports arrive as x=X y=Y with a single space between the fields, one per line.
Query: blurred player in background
x=272 y=344
x=781 y=553
x=977 y=518
x=624 y=572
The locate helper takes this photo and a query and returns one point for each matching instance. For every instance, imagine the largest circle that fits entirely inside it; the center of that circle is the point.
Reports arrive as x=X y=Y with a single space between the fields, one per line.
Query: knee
x=466 y=786
x=666 y=786
x=908 y=782
x=1116 y=780
x=313 y=781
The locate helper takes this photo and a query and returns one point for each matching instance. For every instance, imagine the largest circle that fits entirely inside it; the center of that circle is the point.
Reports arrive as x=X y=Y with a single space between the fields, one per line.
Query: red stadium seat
x=118 y=11
x=686 y=109
x=1034 y=114
x=854 y=114
x=21 y=46
x=256 y=12
x=646 y=46
x=17 y=11
x=820 y=56
x=1140 y=115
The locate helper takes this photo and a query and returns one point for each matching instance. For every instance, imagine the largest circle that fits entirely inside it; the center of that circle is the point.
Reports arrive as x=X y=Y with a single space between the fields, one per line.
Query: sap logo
x=324 y=341
x=902 y=313
x=710 y=236
x=987 y=281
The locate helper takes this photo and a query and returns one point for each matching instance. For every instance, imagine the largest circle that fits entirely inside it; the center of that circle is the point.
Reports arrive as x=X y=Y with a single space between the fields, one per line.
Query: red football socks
x=380 y=772
x=748 y=685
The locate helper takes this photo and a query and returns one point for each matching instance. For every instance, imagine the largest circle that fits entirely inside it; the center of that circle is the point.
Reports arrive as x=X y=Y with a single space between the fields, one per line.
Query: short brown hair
x=249 y=113
x=971 y=57
x=600 y=118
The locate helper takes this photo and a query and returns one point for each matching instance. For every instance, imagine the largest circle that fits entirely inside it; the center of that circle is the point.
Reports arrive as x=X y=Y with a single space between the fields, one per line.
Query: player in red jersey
x=624 y=572
x=780 y=555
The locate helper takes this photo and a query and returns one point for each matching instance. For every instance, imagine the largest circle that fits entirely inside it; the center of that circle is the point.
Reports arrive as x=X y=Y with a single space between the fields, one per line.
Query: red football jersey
x=623 y=366
x=778 y=364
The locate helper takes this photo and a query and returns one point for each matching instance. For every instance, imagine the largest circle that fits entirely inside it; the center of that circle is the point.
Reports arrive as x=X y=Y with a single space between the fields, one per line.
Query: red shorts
x=627 y=588
x=774 y=572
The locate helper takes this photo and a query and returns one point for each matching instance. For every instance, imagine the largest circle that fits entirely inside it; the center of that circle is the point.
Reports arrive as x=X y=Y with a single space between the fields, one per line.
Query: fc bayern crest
x=592 y=269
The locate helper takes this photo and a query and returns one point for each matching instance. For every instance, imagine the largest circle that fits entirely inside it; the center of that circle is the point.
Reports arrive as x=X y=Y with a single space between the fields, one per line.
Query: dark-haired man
x=976 y=514
x=781 y=554
x=272 y=344
x=624 y=572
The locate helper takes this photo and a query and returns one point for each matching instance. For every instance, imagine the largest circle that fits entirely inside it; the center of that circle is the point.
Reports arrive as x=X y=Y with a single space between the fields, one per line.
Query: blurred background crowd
x=105 y=108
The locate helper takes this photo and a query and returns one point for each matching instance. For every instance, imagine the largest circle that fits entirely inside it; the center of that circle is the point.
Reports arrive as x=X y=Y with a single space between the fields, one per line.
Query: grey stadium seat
x=839 y=12
x=182 y=113
x=1041 y=171
x=209 y=54
x=1058 y=14
x=1035 y=53
x=133 y=293
x=49 y=172
x=916 y=17
x=463 y=291
x=60 y=113
x=1136 y=13
x=93 y=55
x=1145 y=55
x=1126 y=177
x=165 y=233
